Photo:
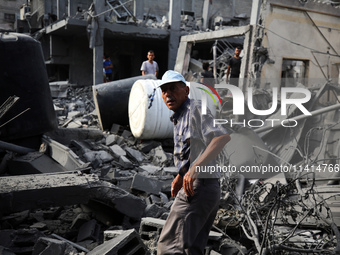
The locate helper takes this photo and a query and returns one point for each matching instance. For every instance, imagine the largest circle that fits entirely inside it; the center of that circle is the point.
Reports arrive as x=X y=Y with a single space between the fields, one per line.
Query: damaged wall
x=293 y=30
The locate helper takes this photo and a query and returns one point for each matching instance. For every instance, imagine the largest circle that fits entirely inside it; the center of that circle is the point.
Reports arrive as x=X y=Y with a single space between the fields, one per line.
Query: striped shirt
x=192 y=134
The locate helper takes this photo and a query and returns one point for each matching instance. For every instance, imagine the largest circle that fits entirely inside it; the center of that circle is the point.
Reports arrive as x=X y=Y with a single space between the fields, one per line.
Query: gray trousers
x=187 y=227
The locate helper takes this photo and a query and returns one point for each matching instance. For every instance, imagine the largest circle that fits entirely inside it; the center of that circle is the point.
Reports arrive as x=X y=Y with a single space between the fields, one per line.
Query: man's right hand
x=176 y=185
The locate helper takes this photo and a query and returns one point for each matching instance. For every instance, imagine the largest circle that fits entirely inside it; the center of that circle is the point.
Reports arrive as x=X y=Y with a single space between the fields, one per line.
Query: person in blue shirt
x=107 y=68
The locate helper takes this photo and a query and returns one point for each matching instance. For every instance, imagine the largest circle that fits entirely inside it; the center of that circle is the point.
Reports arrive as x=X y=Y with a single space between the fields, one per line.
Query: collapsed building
x=77 y=183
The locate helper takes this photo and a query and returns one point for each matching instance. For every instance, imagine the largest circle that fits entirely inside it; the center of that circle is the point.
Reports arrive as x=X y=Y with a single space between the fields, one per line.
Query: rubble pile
x=88 y=191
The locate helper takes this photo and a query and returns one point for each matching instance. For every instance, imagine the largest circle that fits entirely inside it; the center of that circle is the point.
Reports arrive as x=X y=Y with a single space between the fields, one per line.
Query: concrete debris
x=129 y=243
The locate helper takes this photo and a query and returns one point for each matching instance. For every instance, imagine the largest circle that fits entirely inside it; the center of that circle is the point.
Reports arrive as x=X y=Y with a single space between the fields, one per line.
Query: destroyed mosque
x=86 y=166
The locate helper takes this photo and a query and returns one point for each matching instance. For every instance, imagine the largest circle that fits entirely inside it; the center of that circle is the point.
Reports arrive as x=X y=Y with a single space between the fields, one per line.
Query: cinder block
x=147 y=146
x=128 y=243
x=151 y=228
x=154 y=211
x=124 y=183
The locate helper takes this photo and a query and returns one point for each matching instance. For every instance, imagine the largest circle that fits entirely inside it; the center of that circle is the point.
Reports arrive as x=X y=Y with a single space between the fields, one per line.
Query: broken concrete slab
x=154 y=211
x=52 y=246
x=151 y=169
x=146 y=184
x=147 y=146
x=19 y=193
x=125 y=162
x=137 y=156
x=90 y=230
x=63 y=155
x=33 y=163
x=128 y=243
x=120 y=200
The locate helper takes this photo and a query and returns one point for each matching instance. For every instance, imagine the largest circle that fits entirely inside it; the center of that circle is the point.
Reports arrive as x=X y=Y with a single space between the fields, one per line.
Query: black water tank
x=23 y=74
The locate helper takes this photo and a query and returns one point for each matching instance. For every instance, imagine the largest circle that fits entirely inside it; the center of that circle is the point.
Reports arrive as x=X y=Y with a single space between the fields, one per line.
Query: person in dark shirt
x=207 y=77
x=234 y=66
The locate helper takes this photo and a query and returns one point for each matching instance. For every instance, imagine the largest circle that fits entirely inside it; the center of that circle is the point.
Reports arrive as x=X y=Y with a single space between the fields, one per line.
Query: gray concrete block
x=128 y=136
x=125 y=162
x=146 y=184
x=33 y=163
x=128 y=243
x=116 y=129
x=154 y=211
x=151 y=228
x=124 y=183
x=159 y=157
x=89 y=231
x=121 y=200
x=170 y=170
x=152 y=199
x=135 y=155
x=147 y=146
x=49 y=246
x=110 y=140
x=117 y=150
x=151 y=169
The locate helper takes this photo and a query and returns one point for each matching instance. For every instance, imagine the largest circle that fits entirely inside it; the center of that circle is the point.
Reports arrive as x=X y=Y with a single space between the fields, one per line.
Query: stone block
x=124 y=183
x=128 y=243
x=154 y=211
x=116 y=129
x=135 y=155
x=147 y=146
x=89 y=231
x=151 y=169
x=117 y=150
x=125 y=162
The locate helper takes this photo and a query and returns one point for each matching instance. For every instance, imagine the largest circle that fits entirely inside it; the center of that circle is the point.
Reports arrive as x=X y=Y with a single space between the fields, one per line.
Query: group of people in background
x=150 y=66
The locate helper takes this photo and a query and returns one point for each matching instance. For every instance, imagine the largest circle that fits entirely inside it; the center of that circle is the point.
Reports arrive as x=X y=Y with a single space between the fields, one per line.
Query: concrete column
x=138 y=9
x=61 y=8
x=72 y=8
x=98 y=49
x=175 y=23
x=255 y=10
x=175 y=14
x=183 y=57
x=205 y=14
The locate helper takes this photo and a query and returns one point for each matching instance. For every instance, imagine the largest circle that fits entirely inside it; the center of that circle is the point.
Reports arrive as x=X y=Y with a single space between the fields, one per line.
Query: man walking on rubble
x=192 y=214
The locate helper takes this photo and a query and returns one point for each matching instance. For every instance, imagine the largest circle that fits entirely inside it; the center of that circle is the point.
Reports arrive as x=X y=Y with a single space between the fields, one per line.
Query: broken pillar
x=33 y=163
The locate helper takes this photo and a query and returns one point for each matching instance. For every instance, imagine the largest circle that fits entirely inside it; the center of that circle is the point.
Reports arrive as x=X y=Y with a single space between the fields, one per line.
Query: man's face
x=174 y=94
x=150 y=56
x=237 y=52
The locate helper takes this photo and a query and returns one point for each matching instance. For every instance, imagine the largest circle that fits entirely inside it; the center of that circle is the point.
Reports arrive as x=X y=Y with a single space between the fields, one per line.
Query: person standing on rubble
x=207 y=77
x=234 y=67
x=187 y=227
x=150 y=66
x=107 y=68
